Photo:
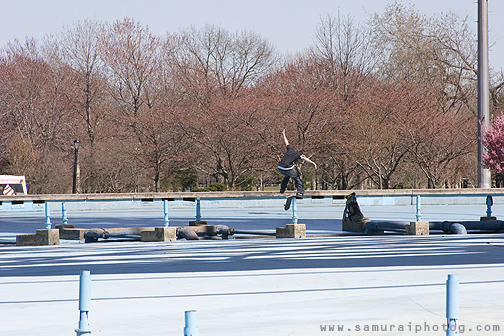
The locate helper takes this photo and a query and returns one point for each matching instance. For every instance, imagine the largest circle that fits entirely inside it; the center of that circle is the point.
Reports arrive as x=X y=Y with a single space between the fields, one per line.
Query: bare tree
x=301 y=98
x=438 y=54
x=79 y=50
x=440 y=51
x=220 y=60
x=216 y=70
x=440 y=139
x=131 y=55
x=348 y=50
x=35 y=117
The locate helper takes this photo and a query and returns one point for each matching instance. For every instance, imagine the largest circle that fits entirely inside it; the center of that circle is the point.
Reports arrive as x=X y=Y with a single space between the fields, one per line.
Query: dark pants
x=291 y=174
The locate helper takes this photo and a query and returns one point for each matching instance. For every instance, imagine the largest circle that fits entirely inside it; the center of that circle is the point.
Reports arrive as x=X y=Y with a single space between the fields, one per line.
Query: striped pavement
x=379 y=285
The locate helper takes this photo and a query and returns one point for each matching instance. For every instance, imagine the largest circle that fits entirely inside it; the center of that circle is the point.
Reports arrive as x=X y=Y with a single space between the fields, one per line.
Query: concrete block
x=486 y=218
x=418 y=228
x=197 y=223
x=42 y=237
x=292 y=231
x=355 y=226
x=70 y=232
x=160 y=234
x=73 y=234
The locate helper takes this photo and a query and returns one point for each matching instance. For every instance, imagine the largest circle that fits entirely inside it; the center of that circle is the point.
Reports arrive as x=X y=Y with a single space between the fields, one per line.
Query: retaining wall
x=96 y=202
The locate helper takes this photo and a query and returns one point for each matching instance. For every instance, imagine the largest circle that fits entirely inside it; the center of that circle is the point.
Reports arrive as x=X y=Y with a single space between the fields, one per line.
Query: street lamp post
x=76 y=172
x=484 y=176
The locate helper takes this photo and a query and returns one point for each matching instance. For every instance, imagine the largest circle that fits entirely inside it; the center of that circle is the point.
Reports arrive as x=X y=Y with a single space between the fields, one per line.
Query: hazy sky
x=288 y=24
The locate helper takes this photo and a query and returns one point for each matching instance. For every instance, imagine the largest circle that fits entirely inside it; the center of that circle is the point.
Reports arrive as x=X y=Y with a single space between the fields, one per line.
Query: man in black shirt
x=286 y=167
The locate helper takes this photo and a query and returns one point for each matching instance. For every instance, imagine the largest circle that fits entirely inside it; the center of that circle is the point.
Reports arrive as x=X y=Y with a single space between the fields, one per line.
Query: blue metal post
x=198 y=209
x=84 y=303
x=47 y=216
x=166 y=219
x=418 y=207
x=452 y=305
x=489 y=203
x=191 y=327
x=294 y=211
x=63 y=213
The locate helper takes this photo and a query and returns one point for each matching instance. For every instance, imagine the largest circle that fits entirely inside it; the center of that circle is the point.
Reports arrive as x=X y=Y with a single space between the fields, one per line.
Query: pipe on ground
x=379 y=227
x=93 y=235
x=187 y=233
x=213 y=230
x=255 y=233
x=458 y=228
x=489 y=226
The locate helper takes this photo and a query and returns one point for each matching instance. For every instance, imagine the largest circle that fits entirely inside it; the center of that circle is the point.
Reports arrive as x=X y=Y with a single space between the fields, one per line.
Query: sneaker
x=299 y=195
x=282 y=191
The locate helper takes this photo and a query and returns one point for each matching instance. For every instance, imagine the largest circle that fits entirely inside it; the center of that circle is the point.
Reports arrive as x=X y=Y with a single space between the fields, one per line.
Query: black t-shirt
x=289 y=157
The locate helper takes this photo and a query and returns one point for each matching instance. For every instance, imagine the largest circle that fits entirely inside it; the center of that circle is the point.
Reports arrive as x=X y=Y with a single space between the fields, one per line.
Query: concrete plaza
x=345 y=285
x=256 y=287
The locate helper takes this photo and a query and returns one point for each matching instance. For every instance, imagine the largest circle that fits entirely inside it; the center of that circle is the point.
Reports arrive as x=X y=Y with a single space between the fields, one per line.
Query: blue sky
x=288 y=24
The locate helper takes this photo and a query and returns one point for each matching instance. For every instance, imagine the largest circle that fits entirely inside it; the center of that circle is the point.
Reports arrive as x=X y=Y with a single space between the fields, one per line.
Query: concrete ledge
x=292 y=231
x=418 y=228
x=247 y=199
x=160 y=234
x=268 y=194
x=42 y=237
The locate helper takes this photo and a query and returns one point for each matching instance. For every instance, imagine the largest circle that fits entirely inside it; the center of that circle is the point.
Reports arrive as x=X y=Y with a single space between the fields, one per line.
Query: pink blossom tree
x=493 y=140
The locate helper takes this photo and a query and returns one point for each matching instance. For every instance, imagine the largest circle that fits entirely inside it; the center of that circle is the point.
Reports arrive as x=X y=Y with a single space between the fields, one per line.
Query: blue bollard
x=191 y=327
x=198 y=209
x=47 y=216
x=294 y=210
x=166 y=219
x=489 y=203
x=63 y=213
x=418 y=206
x=452 y=305
x=84 y=303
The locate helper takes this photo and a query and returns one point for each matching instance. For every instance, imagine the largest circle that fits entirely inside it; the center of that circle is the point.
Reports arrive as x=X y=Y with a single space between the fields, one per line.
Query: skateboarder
x=286 y=167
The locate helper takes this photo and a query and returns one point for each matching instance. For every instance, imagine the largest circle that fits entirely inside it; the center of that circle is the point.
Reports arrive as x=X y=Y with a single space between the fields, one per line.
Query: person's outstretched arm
x=306 y=159
x=285 y=138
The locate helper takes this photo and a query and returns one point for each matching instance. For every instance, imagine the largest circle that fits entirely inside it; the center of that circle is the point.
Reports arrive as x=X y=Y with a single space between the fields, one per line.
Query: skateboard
x=289 y=201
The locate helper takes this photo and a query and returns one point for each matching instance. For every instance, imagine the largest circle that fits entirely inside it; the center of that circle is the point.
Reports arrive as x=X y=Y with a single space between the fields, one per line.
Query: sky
x=288 y=24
